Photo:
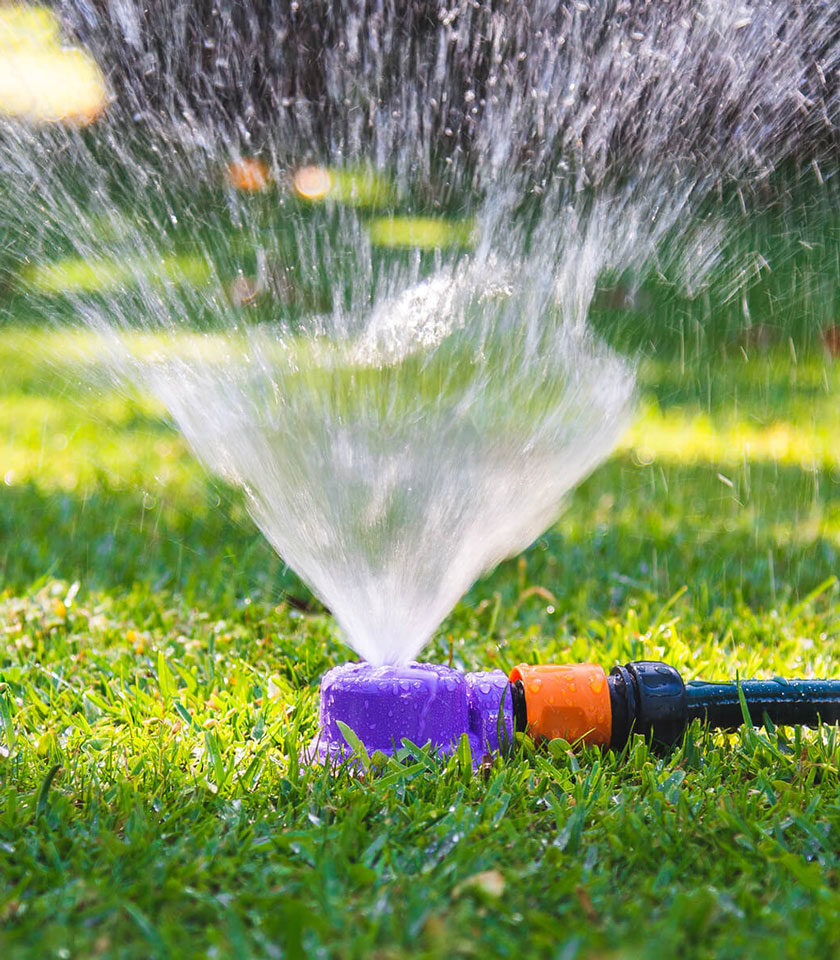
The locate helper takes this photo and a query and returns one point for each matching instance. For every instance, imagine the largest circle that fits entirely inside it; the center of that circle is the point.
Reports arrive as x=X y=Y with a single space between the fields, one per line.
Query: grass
x=158 y=683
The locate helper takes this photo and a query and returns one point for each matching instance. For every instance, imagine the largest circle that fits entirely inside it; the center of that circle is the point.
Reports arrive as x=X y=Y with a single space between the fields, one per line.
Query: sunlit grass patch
x=424 y=233
x=78 y=275
x=692 y=436
x=769 y=410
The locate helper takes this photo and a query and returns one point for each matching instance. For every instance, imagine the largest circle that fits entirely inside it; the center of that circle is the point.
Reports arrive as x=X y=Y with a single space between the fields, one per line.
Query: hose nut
x=570 y=701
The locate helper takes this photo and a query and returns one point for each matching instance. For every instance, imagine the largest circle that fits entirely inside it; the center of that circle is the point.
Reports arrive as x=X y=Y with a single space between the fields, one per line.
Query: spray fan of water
x=399 y=420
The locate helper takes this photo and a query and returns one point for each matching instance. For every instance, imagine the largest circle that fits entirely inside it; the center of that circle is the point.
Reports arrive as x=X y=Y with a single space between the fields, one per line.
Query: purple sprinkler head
x=422 y=702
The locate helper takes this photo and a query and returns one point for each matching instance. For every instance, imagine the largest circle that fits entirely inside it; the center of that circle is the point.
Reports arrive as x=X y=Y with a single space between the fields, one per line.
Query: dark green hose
x=785 y=702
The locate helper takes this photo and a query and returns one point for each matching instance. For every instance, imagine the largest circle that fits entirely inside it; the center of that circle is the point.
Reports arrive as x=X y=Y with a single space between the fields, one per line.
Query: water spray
x=578 y=702
x=404 y=399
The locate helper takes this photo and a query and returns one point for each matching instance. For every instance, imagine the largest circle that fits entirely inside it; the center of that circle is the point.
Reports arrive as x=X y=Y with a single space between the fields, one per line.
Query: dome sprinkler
x=431 y=704
x=421 y=702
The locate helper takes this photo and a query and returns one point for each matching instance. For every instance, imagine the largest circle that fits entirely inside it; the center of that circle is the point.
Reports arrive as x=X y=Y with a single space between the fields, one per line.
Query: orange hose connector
x=571 y=701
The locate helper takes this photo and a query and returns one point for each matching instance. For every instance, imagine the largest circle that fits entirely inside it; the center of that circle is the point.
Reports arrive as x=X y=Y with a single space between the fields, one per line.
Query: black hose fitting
x=519 y=706
x=650 y=698
x=647 y=697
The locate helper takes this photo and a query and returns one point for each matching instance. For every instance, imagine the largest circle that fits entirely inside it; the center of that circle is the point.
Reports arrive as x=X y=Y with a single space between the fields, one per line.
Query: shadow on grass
x=112 y=539
x=772 y=387
x=632 y=532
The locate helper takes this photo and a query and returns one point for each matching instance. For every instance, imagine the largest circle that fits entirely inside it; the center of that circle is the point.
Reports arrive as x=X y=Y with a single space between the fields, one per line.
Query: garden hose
x=580 y=702
x=388 y=708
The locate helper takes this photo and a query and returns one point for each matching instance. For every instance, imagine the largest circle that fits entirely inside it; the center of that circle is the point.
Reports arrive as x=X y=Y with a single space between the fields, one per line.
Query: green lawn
x=159 y=672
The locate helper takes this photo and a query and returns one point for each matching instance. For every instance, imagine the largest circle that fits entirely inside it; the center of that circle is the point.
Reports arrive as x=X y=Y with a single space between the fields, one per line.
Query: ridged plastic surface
x=490 y=729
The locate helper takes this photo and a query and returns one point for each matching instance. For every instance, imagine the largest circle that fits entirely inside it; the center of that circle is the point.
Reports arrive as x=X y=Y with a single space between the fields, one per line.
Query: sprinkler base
x=423 y=703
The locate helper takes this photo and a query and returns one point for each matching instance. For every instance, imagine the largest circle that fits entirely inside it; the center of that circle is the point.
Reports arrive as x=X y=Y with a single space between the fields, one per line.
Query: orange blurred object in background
x=312 y=183
x=249 y=174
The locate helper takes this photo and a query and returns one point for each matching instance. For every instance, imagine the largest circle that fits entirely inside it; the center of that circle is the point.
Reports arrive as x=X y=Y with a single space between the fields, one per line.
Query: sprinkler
x=421 y=702
x=432 y=704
